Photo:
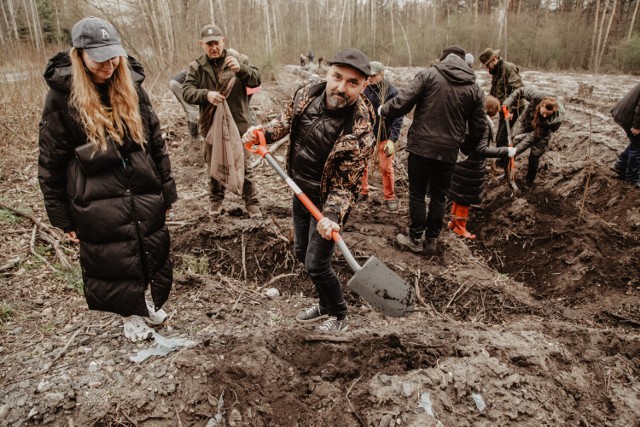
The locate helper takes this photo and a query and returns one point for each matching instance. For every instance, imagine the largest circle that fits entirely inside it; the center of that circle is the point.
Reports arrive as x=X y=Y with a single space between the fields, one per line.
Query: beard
x=337 y=100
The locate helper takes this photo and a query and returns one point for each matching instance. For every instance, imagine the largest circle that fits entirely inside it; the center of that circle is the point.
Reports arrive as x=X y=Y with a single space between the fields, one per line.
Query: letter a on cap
x=105 y=35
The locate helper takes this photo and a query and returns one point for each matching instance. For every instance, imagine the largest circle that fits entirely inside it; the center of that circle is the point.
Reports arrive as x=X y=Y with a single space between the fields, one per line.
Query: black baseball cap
x=98 y=38
x=353 y=58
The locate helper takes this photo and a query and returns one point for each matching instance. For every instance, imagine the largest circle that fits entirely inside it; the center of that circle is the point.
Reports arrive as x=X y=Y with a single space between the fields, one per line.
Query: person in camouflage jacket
x=330 y=124
x=505 y=79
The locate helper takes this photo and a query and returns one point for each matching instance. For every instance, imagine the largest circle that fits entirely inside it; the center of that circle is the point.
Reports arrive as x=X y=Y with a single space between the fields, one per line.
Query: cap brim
x=212 y=38
x=105 y=53
x=366 y=73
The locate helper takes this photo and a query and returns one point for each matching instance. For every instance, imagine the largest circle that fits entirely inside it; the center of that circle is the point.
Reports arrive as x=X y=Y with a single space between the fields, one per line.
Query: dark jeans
x=435 y=176
x=315 y=253
x=629 y=160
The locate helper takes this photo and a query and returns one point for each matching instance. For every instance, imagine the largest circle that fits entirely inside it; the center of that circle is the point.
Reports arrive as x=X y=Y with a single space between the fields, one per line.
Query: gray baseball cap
x=98 y=38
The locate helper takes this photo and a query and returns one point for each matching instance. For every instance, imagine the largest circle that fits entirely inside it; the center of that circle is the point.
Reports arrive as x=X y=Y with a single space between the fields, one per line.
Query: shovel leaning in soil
x=511 y=166
x=374 y=281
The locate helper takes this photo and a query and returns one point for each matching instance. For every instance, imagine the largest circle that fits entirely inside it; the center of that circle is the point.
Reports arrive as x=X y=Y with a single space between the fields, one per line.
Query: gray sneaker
x=311 y=314
x=215 y=208
x=407 y=242
x=332 y=324
x=253 y=211
x=392 y=205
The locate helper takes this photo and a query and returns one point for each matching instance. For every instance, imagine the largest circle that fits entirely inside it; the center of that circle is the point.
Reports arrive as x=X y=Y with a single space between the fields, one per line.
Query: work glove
x=389 y=148
x=249 y=136
x=512 y=152
x=326 y=227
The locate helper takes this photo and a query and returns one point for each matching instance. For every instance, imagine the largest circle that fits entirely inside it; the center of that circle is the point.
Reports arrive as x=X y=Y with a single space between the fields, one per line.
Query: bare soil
x=533 y=324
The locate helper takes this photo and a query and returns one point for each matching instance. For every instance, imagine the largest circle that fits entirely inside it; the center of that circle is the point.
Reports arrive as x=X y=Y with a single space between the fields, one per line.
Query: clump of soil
x=535 y=323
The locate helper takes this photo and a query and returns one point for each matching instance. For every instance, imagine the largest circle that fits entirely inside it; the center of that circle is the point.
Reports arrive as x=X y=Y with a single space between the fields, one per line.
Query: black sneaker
x=430 y=245
x=311 y=314
x=619 y=172
x=332 y=324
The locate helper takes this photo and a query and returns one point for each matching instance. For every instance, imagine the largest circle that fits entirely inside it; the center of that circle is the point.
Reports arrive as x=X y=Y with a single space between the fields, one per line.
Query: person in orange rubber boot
x=468 y=176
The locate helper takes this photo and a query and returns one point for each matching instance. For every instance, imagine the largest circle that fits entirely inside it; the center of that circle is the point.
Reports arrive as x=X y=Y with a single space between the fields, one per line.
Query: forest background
x=575 y=35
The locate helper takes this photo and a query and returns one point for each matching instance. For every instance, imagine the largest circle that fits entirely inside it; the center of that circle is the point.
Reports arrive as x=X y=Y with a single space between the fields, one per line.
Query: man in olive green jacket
x=505 y=79
x=223 y=75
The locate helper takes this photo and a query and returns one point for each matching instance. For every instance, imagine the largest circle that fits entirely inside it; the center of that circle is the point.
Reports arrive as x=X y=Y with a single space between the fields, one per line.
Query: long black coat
x=118 y=212
x=467 y=182
x=627 y=111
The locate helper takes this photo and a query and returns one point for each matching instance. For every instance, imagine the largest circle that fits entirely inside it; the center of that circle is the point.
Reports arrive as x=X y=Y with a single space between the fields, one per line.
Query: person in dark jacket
x=191 y=111
x=106 y=177
x=467 y=182
x=447 y=102
x=331 y=140
x=541 y=119
x=505 y=79
x=387 y=131
x=215 y=72
x=627 y=114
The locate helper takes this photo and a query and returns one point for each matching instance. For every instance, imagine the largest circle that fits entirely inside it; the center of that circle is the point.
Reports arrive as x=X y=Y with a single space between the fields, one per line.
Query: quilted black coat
x=118 y=212
x=467 y=182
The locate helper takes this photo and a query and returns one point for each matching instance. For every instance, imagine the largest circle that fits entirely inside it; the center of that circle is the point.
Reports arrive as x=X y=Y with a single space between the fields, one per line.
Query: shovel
x=511 y=166
x=374 y=282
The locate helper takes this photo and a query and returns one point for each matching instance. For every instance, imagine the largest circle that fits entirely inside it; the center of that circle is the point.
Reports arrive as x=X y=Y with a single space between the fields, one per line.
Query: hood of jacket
x=455 y=70
x=57 y=74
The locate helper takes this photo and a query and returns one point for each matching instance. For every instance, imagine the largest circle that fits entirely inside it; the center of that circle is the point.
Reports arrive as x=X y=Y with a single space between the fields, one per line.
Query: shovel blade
x=383 y=288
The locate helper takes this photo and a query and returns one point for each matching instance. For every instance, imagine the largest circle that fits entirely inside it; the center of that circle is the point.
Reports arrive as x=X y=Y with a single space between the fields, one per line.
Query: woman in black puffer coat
x=105 y=175
x=467 y=182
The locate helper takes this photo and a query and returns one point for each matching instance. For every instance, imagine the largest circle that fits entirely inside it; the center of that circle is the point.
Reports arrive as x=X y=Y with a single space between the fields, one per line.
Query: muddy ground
x=535 y=323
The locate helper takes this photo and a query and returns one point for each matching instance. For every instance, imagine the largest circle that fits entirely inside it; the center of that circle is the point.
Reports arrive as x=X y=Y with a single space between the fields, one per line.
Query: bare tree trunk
x=224 y=18
x=592 y=58
x=267 y=28
x=393 y=30
x=211 y=14
x=599 y=39
x=506 y=36
x=344 y=10
x=373 y=25
x=606 y=35
x=633 y=20
x=306 y=13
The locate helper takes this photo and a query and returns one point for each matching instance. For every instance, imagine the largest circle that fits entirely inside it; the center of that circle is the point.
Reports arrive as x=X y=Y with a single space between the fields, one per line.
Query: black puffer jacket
x=118 y=212
x=446 y=99
x=627 y=111
x=467 y=182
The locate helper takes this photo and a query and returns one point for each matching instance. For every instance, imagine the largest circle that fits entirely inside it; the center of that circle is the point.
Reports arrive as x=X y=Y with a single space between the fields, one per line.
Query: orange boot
x=458 y=223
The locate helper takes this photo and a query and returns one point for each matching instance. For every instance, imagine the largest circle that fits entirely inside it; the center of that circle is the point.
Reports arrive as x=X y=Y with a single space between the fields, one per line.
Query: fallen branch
x=276 y=278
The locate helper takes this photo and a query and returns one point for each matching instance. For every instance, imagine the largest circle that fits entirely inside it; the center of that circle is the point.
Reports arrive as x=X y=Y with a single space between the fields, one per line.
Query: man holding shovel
x=331 y=140
x=208 y=77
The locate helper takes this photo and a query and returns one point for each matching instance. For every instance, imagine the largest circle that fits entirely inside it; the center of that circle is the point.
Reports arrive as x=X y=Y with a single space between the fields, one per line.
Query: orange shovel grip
x=260 y=149
x=505 y=112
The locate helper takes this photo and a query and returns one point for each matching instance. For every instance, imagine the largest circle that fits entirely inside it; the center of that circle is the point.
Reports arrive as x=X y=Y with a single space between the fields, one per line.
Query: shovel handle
x=505 y=112
x=262 y=150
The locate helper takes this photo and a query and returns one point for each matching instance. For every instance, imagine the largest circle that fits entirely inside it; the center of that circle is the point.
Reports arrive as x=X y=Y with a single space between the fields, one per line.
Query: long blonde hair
x=98 y=123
